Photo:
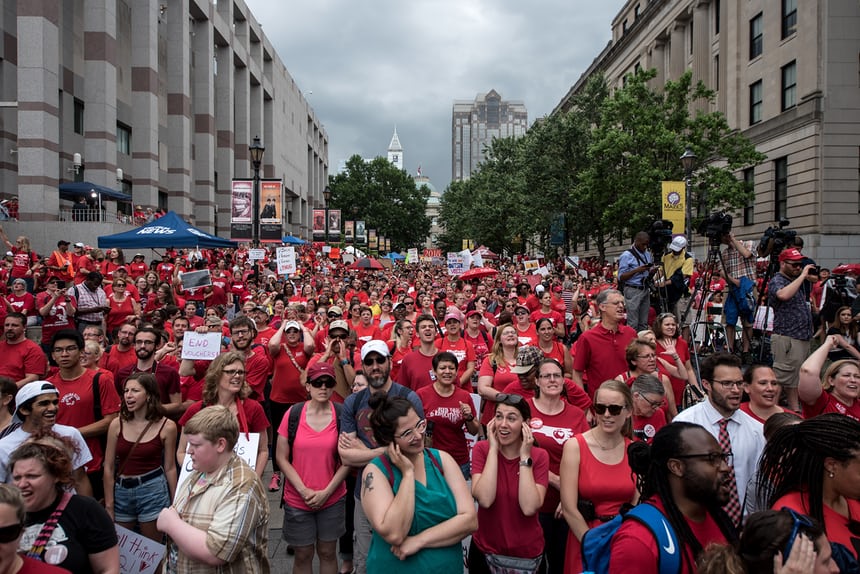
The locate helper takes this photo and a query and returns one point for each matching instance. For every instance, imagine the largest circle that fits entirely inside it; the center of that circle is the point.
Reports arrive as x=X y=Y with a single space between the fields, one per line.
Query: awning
x=86 y=188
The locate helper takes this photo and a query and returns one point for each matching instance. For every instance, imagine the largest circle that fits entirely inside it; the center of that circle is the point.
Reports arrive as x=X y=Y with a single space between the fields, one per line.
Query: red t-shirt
x=835 y=525
x=136 y=270
x=57 y=318
x=22 y=261
x=252 y=413
x=482 y=345
x=416 y=370
x=827 y=403
x=502 y=377
x=25 y=304
x=745 y=407
x=644 y=428
x=365 y=334
x=465 y=353
x=448 y=421
x=553 y=315
x=600 y=354
x=77 y=406
x=115 y=359
x=21 y=358
x=503 y=528
x=529 y=337
x=286 y=388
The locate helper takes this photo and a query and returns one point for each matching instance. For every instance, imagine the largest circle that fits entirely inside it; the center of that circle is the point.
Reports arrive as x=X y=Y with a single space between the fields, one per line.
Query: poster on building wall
x=360 y=236
x=371 y=239
x=349 y=231
x=271 y=210
x=241 y=205
x=334 y=225
x=318 y=227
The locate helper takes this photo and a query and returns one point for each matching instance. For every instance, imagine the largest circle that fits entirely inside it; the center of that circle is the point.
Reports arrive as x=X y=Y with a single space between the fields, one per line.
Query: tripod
x=713 y=332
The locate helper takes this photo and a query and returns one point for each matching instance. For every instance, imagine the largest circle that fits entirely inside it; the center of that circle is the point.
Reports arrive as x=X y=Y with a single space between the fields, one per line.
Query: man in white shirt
x=723 y=381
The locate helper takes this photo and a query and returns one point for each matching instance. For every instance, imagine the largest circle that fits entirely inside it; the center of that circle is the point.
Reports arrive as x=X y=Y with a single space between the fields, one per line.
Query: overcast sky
x=366 y=66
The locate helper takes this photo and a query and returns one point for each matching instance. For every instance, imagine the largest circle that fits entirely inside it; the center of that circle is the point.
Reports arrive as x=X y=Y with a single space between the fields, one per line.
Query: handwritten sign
x=456 y=264
x=286 y=257
x=412 y=255
x=256 y=254
x=201 y=346
x=137 y=553
x=246 y=447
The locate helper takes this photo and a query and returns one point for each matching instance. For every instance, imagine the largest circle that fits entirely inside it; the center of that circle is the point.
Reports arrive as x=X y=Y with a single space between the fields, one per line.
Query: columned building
x=785 y=73
x=172 y=93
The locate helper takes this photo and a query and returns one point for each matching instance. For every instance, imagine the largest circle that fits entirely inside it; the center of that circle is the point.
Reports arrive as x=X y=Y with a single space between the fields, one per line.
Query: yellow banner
x=674 y=205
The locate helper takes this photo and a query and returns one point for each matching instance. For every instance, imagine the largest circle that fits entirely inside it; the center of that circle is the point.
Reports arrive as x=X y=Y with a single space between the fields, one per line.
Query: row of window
x=123 y=132
x=788 y=92
x=780 y=199
x=788 y=27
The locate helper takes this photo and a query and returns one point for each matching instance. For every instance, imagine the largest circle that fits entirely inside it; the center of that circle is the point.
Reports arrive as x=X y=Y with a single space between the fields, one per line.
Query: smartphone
x=61 y=284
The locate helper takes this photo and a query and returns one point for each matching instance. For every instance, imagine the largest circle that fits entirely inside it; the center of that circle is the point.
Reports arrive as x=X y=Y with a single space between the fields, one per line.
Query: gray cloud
x=374 y=64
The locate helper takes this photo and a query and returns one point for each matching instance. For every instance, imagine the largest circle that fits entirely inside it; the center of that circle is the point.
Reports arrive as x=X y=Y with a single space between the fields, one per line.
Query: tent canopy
x=167 y=231
x=290 y=240
x=85 y=188
x=395 y=256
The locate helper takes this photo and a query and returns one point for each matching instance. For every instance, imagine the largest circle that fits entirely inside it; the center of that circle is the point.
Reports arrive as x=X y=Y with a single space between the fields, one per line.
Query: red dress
x=608 y=486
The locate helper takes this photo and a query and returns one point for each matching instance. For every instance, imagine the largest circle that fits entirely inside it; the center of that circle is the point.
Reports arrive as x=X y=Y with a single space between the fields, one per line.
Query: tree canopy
x=386 y=199
x=601 y=166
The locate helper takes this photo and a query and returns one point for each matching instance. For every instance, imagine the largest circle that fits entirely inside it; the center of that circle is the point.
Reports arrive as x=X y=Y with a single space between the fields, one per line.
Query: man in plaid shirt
x=739 y=262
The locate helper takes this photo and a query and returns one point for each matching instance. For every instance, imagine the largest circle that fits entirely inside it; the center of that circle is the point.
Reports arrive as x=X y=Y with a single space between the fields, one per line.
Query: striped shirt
x=87 y=300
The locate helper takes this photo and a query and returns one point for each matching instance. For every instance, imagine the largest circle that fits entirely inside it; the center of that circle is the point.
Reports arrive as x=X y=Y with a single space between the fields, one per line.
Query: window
x=636 y=12
x=717 y=17
x=123 y=139
x=755 y=102
x=756 y=37
x=717 y=73
x=780 y=199
x=789 y=18
x=79 y=117
x=789 y=86
x=749 y=209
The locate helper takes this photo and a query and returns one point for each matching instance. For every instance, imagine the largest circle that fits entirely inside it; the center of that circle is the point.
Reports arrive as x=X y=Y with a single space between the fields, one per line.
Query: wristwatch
x=344 y=362
x=526 y=462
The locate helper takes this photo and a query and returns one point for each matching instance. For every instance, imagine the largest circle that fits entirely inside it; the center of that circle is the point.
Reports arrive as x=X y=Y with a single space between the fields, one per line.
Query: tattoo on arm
x=368 y=482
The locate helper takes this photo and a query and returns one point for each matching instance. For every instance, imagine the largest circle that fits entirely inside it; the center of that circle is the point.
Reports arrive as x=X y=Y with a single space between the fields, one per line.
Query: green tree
x=387 y=200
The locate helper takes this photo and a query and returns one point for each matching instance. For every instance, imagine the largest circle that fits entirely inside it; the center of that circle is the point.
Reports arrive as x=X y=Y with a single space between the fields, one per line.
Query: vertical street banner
x=241 y=205
x=371 y=239
x=271 y=210
x=388 y=244
x=380 y=240
x=334 y=225
x=318 y=228
x=674 y=205
x=349 y=231
x=360 y=236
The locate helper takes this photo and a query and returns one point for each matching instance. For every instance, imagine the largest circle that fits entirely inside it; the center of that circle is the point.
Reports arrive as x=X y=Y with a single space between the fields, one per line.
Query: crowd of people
x=404 y=410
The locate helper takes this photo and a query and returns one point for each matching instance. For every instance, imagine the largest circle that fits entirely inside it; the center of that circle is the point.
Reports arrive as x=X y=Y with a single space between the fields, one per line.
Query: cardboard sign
x=196 y=279
x=246 y=447
x=286 y=260
x=201 y=346
x=412 y=256
x=256 y=254
x=137 y=553
x=531 y=265
x=456 y=264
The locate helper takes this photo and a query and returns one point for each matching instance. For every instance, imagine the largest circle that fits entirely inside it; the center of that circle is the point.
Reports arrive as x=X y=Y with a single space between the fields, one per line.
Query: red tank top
x=145 y=458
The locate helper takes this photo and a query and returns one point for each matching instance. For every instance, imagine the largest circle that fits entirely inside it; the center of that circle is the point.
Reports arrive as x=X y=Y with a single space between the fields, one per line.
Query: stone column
x=203 y=104
x=677 y=50
x=224 y=154
x=144 y=97
x=178 y=108
x=701 y=49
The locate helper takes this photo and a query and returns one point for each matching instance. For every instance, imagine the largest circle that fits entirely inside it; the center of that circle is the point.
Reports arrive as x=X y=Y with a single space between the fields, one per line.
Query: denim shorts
x=141 y=503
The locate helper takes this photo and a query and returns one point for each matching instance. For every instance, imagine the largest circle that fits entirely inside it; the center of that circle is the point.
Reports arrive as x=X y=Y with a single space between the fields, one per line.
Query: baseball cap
x=453 y=316
x=79 y=244
x=335 y=309
x=261 y=309
x=472 y=313
x=521 y=306
x=678 y=244
x=539 y=289
x=339 y=324
x=374 y=346
x=32 y=390
x=791 y=255
x=292 y=325
x=527 y=358
x=122 y=268
x=319 y=370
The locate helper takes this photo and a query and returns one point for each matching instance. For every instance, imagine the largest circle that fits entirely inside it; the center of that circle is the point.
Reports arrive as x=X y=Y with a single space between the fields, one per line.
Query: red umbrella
x=478 y=273
x=367 y=263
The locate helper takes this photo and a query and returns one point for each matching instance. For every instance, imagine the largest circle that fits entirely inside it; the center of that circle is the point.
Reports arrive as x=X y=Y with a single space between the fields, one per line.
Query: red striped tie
x=733 y=506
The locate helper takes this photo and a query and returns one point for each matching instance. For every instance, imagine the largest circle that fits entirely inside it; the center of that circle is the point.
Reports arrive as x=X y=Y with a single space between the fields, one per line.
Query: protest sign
x=137 y=553
x=196 y=279
x=256 y=254
x=246 y=447
x=286 y=260
x=456 y=264
x=201 y=346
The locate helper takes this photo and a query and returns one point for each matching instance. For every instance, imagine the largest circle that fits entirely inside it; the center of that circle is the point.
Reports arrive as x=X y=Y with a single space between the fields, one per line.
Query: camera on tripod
x=659 y=237
x=715 y=226
x=776 y=238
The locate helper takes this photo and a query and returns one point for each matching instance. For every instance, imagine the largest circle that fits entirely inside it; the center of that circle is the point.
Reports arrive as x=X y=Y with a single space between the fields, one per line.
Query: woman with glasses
x=838 y=391
x=649 y=398
x=480 y=304
x=526 y=332
x=123 y=306
x=641 y=358
x=773 y=542
x=496 y=373
x=596 y=481
x=673 y=353
x=415 y=498
x=225 y=385
x=813 y=468
x=510 y=475
x=314 y=491
x=554 y=421
x=551 y=347
x=385 y=315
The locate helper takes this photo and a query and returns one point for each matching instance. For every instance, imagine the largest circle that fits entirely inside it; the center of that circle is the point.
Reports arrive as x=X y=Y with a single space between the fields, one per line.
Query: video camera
x=659 y=237
x=775 y=239
x=715 y=226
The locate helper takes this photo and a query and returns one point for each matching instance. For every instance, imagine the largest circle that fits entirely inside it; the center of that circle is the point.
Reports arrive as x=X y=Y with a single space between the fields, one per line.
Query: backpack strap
x=97 y=398
x=293 y=426
x=668 y=548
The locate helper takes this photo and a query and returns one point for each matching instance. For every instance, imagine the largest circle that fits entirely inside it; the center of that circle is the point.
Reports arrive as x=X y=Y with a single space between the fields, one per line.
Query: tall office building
x=475 y=123
x=785 y=74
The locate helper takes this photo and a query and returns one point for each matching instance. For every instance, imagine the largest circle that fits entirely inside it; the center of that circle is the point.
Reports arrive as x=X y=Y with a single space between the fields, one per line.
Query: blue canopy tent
x=167 y=231
x=395 y=256
x=85 y=188
x=290 y=240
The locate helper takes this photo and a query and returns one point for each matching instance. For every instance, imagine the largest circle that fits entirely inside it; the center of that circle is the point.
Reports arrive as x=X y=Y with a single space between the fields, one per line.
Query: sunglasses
x=713 y=458
x=10 y=533
x=327 y=381
x=333 y=315
x=509 y=399
x=614 y=410
x=368 y=361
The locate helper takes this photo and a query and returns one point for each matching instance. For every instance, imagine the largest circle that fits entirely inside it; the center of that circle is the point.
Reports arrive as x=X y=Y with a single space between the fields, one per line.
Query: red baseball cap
x=791 y=255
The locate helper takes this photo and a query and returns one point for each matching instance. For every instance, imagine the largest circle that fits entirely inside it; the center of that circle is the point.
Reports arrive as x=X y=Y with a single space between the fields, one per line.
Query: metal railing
x=91 y=215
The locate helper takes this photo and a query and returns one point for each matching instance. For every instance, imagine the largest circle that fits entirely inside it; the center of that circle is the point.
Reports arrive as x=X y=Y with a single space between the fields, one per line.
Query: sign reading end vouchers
x=201 y=346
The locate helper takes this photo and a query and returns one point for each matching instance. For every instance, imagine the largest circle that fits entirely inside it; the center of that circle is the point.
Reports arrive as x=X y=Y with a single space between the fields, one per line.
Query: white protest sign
x=201 y=346
x=531 y=265
x=137 y=553
x=412 y=255
x=471 y=439
x=571 y=261
x=542 y=271
x=246 y=447
x=286 y=260
x=256 y=254
x=456 y=264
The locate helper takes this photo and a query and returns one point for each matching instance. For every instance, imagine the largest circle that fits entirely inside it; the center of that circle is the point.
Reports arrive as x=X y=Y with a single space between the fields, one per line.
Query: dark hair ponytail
x=383 y=418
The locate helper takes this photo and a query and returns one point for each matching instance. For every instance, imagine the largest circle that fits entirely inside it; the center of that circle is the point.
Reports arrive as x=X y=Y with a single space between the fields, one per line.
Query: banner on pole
x=674 y=205
x=241 y=207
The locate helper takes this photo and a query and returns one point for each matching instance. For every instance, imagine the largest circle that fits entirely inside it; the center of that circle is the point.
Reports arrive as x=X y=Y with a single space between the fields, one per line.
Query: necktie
x=733 y=506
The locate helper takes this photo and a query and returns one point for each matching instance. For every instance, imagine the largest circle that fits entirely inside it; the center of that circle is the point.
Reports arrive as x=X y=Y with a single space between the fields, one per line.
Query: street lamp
x=327 y=198
x=256 y=150
x=688 y=162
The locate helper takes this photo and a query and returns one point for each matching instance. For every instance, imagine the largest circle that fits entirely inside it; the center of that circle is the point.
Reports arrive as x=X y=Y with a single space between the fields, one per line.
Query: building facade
x=172 y=93
x=785 y=73
x=395 y=151
x=475 y=123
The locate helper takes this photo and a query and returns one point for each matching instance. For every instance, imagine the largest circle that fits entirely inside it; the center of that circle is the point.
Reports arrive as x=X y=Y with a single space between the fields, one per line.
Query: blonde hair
x=834 y=369
x=497 y=354
x=213 y=376
x=624 y=390
x=213 y=423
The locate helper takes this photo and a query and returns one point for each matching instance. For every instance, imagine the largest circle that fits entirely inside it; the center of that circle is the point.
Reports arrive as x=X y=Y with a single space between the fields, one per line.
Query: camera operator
x=739 y=265
x=678 y=269
x=635 y=267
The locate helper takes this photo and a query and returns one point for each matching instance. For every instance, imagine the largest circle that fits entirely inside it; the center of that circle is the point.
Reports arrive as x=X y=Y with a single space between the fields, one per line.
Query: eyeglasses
x=144 y=343
x=409 y=302
x=654 y=404
x=616 y=303
x=368 y=361
x=509 y=399
x=66 y=350
x=234 y=372
x=614 y=410
x=333 y=315
x=521 y=313
x=327 y=381
x=799 y=521
x=550 y=376
x=239 y=332
x=714 y=458
x=648 y=356
x=795 y=264
x=10 y=533
x=729 y=384
x=419 y=428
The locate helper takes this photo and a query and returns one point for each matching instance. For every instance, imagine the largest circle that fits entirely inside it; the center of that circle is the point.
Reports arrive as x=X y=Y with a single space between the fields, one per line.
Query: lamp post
x=256 y=150
x=327 y=198
x=688 y=162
